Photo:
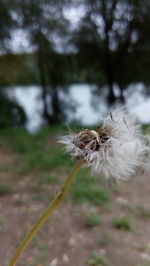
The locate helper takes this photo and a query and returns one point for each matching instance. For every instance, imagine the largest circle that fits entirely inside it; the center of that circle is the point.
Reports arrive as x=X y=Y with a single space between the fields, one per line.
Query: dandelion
x=116 y=150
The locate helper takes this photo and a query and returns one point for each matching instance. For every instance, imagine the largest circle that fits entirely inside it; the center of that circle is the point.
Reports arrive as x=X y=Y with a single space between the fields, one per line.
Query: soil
x=66 y=239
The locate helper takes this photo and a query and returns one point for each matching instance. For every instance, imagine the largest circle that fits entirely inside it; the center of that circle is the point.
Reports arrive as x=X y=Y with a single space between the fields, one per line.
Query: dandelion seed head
x=116 y=150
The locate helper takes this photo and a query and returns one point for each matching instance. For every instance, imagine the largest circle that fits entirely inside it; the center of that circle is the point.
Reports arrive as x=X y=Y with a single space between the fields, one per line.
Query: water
x=29 y=98
x=89 y=109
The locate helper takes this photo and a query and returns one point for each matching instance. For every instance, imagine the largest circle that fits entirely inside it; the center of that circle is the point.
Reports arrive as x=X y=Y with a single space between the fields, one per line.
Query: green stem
x=57 y=200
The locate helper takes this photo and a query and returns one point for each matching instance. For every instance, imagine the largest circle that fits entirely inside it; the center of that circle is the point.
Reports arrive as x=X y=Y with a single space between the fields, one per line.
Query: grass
x=2 y=223
x=39 y=156
x=86 y=189
x=144 y=264
x=105 y=239
x=143 y=212
x=36 y=152
x=128 y=208
x=45 y=164
x=37 y=198
x=122 y=223
x=48 y=179
x=97 y=260
x=4 y=190
x=142 y=247
x=92 y=220
x=42 y=160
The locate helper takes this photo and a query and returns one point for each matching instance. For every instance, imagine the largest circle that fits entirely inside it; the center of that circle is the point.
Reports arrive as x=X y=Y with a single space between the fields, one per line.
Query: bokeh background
x=64 y=65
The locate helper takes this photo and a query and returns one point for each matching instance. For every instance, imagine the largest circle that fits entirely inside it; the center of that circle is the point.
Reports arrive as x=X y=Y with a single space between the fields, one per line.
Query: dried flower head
x=115 y=150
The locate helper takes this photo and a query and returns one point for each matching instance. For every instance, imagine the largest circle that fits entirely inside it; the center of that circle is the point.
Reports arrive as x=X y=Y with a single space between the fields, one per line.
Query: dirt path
x=69 y=238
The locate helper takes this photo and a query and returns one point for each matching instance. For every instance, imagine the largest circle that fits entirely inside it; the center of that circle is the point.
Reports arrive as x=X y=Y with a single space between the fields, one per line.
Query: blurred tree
x=46 y=27
x=6 y=24
x=135 y=64
x=11 y=75
x=112 y=40
x=108 y=35
x=11 y=114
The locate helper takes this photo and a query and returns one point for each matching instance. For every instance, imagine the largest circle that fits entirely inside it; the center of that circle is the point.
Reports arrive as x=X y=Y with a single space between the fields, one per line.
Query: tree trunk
x=111 y=96
x=108 y=61
x=109 y=71
x=46 y=114
x=121 y=97
x=110 y=77
x=55 y=104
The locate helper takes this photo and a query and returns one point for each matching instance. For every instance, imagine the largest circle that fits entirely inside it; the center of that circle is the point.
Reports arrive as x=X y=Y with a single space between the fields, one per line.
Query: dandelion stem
x=44 y=217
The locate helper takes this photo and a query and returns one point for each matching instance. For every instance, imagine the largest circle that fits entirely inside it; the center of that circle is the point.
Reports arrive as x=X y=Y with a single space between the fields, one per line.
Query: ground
x=98 y=224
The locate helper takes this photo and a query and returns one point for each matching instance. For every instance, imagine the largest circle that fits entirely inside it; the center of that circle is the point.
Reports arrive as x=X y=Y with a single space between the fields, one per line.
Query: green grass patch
x=97 y=260
x=20 y=141
x=144 y=264
x=92 y=220
x=48 y=179
x=4 y=190
x=128 y=208
x=143 y=212
x=146 y=128
x=86 y=189
x=36 y=152
x=2 y=223
x=122 y=223
x=37 y=198
x=41 y=160
x=141 y=248
x=4 y=166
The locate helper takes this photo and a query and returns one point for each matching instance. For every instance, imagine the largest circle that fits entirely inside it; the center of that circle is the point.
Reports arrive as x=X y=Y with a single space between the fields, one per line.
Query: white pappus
x=117 y=149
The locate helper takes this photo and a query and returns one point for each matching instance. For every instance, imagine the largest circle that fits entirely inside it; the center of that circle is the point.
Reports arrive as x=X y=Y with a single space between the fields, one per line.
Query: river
x=89 y=107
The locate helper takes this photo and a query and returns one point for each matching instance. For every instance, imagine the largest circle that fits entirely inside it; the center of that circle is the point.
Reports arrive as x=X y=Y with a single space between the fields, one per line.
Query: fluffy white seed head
x=117 y=149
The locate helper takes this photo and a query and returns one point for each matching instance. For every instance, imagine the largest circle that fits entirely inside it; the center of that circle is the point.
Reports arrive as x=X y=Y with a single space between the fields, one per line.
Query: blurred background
x=64 y=62
x=63 y=65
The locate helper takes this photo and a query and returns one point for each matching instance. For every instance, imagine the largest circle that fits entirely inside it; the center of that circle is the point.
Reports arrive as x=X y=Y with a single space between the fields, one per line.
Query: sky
x=20 y=42
x=20 y=39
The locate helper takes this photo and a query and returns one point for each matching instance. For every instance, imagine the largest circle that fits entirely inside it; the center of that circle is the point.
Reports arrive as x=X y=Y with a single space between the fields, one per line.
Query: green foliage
x=6 y=23
x=11 y=75
x=4 y=190
x=144 y=212
x=97 y=260
x=87 y=189
x=146 y=128
x=122 y=223
x=93 y=220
